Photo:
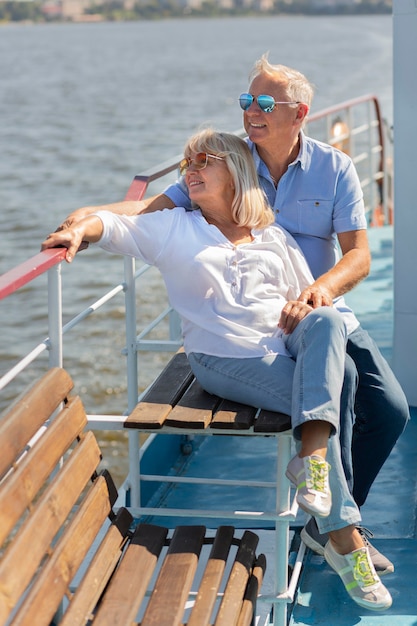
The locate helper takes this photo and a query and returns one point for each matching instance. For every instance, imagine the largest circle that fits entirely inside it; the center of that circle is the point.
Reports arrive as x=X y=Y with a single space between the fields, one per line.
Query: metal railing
x=357 y=128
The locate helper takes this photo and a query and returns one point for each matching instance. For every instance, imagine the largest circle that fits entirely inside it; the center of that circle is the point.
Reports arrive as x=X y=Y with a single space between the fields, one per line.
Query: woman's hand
x=292 y=314
x=70 y=238
x=76 y=237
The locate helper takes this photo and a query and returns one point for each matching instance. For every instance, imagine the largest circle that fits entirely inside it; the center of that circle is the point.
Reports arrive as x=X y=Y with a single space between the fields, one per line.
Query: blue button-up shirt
x=318 y=197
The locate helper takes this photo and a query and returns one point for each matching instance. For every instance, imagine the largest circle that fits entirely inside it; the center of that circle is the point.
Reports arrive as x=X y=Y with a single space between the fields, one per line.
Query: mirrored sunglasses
x=199 y=161
x=264 y=102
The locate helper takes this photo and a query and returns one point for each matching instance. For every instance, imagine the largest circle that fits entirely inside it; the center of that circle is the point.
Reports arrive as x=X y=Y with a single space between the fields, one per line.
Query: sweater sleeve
x=141 y=236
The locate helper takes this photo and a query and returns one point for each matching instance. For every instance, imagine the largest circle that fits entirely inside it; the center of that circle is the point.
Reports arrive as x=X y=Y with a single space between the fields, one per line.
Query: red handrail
x=22 y=274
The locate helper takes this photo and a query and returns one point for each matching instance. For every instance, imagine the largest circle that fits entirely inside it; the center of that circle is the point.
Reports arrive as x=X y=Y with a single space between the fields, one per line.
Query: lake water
x=85 y=107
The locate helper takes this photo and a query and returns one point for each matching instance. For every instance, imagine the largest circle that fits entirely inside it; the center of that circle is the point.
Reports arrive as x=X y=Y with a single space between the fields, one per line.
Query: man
x=315 y=193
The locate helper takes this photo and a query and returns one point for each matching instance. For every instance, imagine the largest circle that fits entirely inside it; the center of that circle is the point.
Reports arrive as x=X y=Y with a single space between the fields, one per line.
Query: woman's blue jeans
x=307 y=387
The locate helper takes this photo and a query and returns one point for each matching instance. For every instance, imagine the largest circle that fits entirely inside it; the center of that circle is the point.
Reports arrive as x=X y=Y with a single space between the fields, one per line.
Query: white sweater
x=229 y=297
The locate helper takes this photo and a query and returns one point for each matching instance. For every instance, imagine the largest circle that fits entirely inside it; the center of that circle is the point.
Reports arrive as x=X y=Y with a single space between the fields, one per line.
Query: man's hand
x=316 y=295
x=75 y=216
x=292 y=314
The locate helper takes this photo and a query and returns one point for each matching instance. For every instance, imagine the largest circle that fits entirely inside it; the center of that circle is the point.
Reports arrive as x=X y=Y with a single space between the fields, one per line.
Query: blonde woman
x=234 y=277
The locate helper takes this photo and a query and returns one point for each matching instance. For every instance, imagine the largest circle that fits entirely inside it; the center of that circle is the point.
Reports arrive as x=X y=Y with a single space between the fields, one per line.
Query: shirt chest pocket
x=315 y=217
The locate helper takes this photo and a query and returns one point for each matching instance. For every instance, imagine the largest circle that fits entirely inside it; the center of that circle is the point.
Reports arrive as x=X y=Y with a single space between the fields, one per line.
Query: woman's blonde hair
x=250 y=206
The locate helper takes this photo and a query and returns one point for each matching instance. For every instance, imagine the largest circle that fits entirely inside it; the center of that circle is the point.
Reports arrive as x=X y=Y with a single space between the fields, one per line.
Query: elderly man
x=315 y=193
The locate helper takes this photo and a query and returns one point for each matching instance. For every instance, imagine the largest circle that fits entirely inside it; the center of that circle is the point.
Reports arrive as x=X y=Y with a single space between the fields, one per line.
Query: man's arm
x=352 y=268
x=128 y=207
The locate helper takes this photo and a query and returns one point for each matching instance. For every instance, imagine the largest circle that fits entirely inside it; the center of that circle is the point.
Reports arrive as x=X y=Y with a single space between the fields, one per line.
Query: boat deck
x=390 y=512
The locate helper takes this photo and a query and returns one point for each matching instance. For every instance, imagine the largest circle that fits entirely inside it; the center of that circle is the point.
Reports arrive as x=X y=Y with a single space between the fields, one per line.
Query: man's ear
x=302 y=112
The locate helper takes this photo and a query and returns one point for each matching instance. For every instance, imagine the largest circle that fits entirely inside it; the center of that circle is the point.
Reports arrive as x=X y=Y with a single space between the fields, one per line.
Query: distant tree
x=21 y=11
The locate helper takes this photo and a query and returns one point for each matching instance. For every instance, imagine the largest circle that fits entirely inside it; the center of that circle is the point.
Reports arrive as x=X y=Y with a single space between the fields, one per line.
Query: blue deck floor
x=390 y=511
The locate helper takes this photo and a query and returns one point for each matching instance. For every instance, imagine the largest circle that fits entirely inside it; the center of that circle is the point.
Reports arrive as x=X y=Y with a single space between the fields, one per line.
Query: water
x=85 y=107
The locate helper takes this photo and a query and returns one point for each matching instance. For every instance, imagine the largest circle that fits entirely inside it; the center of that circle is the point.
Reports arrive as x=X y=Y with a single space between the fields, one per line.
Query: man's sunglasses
x=199 y=161
x=265 y=103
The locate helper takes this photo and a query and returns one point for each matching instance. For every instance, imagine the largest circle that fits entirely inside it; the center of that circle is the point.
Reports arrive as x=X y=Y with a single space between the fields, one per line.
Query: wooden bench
x=176 y=403
x=56 y=509
x=177 y=400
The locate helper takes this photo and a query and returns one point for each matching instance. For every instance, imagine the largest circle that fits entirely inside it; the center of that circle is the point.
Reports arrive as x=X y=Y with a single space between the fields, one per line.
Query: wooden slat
x=212 y=578
x=272 y=422
x=29 y=412
x=233 y=415
x=99 y=572
x=24 y=555
x=177 y=400
x=168 y=388
x=166 y=605
x=194 y=410
x=52 y=583
x=254 y=585
x=21 y=486
x=148 y=416
x=128 y=587
x=230 y=607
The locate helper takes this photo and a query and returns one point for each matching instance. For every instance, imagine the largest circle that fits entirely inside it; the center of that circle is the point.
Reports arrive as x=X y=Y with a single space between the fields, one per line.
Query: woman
x=234 y=278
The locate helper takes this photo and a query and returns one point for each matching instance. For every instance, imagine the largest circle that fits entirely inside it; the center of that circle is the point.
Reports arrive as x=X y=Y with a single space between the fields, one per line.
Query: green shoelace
x=362 y=572
x=317 y=478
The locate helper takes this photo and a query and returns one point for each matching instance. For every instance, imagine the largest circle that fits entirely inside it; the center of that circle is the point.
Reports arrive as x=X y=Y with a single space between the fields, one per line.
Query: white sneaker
x=310 y=474
x=359 y=577
x=315 y=541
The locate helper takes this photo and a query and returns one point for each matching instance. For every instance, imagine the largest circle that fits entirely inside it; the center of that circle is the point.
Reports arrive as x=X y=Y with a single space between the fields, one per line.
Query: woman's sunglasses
x=199 y=161
x=265 y=103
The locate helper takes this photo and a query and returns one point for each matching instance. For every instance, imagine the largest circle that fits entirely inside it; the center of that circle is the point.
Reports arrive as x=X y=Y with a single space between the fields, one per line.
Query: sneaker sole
x=311 y=543
x=384 y=572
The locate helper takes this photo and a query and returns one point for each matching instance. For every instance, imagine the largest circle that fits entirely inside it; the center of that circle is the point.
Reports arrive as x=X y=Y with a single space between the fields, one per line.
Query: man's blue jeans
x=306 y=387
x=372 y=423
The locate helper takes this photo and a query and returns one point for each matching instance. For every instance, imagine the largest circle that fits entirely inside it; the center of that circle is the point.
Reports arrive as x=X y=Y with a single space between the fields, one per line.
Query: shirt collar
x=301 y=158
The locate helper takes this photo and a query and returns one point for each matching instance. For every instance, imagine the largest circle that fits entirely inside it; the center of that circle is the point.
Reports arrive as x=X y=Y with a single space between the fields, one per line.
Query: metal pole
x=55 y=316
x=132 y=377
x=282 y=530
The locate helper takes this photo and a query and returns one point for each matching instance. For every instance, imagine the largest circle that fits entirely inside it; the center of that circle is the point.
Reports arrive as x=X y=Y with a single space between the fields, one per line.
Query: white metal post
x=405 y=204
x=282 y=529
x=55 y=316
x=132 y=377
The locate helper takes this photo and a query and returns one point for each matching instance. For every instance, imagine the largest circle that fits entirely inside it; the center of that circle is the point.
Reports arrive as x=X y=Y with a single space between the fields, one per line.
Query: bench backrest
x=56 y=510
x=44 y=535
